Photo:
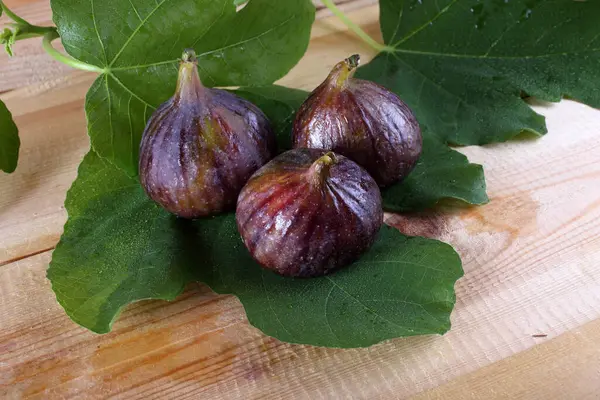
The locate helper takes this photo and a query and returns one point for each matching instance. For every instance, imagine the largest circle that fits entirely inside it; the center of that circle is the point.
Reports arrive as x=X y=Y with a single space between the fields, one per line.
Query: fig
x=309 y=212
x=201 y=146
x=361 y=120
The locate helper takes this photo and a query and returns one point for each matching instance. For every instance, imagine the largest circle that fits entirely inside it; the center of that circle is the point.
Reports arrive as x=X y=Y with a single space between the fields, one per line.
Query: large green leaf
x=442 y=173
x=462 y=65
x=402 y=287
x=9 y=140
x=138 y=43
x=119 y=247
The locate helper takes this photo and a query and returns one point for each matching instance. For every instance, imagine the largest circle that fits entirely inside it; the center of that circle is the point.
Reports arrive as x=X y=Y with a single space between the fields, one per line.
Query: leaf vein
x=426 y=24
x=130 y=129
x=495 y=43
x=249 y=39
x=98 y=32
x=269 y=302
x=212 y=24
x=436 y=84
x=135 y=10
x=366 y=307
x=110 y=124
x=130 y=91
x=477 y=56
x=327 y=315
x=137 y=29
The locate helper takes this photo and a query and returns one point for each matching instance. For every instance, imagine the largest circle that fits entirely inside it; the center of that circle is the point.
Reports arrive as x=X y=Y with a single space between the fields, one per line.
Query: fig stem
x=343 y=71
x=189 y=85
x=357 y=29
x=189 y=55
x=353 y=61
x=68 y=60
x=319 y=170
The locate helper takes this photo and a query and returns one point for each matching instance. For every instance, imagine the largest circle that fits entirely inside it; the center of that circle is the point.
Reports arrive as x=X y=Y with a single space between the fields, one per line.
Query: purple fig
x=363 y=121
x=309 y=212
x=200 y=147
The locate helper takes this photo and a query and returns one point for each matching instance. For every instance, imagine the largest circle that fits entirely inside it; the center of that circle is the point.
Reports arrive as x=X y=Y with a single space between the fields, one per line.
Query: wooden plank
x=530 y=260
x=567 y=367
x=53 y=141
x=32 y=65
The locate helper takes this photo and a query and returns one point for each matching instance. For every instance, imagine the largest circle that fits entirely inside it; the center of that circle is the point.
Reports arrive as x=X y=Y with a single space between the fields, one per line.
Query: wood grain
x=567 y=367
x=530 y=256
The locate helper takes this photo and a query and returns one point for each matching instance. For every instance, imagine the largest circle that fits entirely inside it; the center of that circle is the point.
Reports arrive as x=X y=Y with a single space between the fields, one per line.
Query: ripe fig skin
x=201 y=146
x=363 y=121
x=309 y=212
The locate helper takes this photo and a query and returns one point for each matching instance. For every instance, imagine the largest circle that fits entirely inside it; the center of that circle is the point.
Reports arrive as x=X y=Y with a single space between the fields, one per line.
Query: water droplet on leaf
x=481 y=13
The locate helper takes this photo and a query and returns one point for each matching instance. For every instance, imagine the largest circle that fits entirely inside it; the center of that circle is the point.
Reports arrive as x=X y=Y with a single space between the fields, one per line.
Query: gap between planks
x=19 y=258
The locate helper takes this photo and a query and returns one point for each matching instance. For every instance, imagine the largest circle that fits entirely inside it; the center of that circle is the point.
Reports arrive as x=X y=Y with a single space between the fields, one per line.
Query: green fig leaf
x=138 y=44
x=9 y=140
x=442 y=173
x=132 y=248
x=462 y=65
x=403 y=286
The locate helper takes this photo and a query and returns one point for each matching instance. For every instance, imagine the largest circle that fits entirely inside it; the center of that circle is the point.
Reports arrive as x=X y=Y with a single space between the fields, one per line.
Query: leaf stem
x=12 y=15
x=65 y=59
x=21 y=29
x=356 y=29
x=25 y=30
x=23 y=26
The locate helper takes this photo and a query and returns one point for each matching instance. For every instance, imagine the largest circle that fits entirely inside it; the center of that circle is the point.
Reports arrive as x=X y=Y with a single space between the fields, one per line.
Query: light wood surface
x=531 y=260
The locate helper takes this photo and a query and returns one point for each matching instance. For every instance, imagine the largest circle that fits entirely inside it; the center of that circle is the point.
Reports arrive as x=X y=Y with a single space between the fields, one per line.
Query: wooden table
x=526 y=323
